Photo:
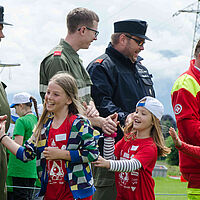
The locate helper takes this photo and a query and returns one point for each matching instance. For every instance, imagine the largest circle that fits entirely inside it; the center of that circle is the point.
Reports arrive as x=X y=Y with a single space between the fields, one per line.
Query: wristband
x=113 y=135
x=2 y=138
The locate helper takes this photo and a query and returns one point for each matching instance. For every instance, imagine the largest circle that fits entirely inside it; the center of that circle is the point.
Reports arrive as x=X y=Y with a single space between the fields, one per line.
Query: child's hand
x=175 y=137
x=129 y=118
x=51 y=153
x=101 y=162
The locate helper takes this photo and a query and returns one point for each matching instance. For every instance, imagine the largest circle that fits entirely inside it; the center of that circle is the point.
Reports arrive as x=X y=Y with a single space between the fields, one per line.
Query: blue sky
x=39 y=25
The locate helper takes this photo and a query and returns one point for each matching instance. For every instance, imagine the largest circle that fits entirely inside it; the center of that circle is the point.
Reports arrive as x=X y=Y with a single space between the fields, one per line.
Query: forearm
x=64 y=155
x=97 y=121
x=190 y=150
x=125 y=165
x=10 y=144
x=108 y=148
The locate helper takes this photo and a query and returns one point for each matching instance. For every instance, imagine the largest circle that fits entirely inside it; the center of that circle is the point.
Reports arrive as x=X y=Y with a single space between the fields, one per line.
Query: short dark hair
x=80 y=17
x=197 y=49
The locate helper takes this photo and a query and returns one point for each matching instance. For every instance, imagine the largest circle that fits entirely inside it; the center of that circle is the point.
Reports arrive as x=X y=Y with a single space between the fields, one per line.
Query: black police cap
x=1 y=16
x=134 y=27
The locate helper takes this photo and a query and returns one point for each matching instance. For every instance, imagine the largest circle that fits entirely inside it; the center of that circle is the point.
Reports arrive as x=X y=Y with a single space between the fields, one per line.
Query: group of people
x=99 y=134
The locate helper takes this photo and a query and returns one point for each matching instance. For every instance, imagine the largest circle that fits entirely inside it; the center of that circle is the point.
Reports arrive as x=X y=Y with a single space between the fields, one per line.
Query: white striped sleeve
x=125 y=165
x=109 y=148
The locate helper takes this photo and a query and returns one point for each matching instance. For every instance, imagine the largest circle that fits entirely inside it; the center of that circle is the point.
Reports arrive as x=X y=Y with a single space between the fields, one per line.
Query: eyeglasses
x=139 y=42
x=96 y=32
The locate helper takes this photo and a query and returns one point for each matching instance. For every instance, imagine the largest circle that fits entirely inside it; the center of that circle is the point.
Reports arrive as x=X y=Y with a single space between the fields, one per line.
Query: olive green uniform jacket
x=64 y=58
x=4 y=110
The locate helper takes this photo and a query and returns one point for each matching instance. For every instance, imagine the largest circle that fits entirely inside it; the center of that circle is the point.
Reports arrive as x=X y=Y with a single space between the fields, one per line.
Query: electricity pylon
x=196 y=35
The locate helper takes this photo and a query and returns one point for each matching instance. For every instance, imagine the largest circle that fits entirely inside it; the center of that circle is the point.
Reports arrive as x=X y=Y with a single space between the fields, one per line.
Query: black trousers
x=23 y=193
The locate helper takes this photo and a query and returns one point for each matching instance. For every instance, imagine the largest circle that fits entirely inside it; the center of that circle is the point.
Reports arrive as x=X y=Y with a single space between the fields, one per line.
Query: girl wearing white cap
x=63 y=141
x=136 y=153
x=23 y=174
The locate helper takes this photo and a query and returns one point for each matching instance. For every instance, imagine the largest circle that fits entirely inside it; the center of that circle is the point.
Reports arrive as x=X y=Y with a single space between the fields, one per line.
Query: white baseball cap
x=152 y=105
x=20 y=98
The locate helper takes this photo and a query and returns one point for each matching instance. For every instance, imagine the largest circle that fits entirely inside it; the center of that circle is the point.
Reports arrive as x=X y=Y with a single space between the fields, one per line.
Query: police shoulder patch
x=99 y=61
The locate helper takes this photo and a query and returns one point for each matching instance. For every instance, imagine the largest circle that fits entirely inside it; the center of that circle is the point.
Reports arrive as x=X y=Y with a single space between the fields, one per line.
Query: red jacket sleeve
x=186 y=109
x=190 y=150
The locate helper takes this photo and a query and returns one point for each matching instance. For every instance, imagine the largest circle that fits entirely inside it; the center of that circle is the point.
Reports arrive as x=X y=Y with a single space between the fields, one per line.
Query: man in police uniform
x=119 y=81
x=82 y=27
x=4 y=110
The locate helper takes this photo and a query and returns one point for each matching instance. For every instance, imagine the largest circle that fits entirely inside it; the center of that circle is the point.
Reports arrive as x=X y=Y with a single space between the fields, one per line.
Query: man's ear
x=82 y=30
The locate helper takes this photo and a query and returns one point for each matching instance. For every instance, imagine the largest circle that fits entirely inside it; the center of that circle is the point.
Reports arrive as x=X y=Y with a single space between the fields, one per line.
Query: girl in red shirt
x=134 y=156
x=63 y=141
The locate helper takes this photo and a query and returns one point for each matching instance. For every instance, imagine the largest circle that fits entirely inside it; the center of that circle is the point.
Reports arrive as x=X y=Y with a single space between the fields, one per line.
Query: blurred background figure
x=22 y=174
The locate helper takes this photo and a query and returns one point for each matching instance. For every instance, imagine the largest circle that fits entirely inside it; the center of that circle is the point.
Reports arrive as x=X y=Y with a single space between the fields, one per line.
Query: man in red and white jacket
x=186 y=105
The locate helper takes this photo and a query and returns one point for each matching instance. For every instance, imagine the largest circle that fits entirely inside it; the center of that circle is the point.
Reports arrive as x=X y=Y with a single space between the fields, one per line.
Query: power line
x=190 y=9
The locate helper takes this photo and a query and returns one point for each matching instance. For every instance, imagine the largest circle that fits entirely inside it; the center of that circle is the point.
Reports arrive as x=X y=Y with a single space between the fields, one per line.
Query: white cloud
x=39 y=25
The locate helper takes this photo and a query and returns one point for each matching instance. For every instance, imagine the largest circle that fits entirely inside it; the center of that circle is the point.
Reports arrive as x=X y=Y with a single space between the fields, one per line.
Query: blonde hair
x=68 y=84
x=156 y=134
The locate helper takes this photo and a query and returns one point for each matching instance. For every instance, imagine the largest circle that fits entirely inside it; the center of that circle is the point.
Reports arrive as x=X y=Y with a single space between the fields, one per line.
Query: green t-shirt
x=16 y=168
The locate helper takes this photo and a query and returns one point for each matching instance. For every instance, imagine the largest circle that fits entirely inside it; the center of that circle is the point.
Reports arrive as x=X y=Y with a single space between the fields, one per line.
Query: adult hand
x=110 y=124
x=2 y=127
x=175 y=137
x=101 y=162
x=91 y=110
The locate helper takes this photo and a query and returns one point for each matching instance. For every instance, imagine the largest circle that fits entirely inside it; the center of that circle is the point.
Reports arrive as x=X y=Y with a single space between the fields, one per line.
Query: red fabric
x=137 y=185
x=58 y=187
x=87 y=198
x=193 y=180
x=190 y=150
x=187 y=112
x=182 y=179
x=57 y=53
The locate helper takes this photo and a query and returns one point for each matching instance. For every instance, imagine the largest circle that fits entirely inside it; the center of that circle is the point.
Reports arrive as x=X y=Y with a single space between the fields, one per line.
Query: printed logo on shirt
x=177 y=109
x=53 y=144
x=126 y=155
x=61 y=137
x=133 y=188
x=56 y=172
x=134 y=148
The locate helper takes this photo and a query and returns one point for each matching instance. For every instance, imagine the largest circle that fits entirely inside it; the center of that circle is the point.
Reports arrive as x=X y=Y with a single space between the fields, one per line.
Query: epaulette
x=57 y=53
x=99 y=61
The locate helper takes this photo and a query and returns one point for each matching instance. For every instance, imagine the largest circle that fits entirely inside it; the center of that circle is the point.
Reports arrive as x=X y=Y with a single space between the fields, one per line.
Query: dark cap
x=1 y=16
x=134 y=27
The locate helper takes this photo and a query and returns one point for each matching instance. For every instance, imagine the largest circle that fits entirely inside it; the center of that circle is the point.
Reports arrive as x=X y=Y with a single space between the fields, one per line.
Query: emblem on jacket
x=177 y=109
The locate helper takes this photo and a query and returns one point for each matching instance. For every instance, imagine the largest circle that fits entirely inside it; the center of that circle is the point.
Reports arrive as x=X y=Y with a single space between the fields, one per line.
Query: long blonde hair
x=156 y=134
x=69 y=85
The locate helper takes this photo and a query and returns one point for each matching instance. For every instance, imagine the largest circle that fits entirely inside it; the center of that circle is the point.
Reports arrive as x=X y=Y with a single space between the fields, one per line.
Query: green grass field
x=170 y=187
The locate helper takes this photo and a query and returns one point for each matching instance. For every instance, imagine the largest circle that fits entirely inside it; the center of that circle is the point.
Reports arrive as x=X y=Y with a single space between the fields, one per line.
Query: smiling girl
x=136 y=153
x=64 y=143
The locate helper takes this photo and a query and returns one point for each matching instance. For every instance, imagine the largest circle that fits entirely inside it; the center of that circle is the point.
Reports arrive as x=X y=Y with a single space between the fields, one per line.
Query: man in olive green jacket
x=4 y=110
